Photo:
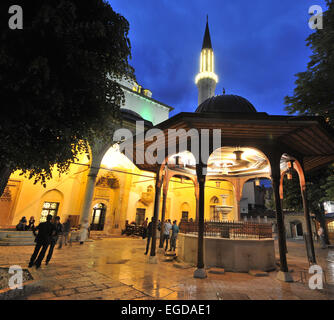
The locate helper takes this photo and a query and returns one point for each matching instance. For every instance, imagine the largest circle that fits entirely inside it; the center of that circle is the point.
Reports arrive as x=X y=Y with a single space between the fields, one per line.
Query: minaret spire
x=206 y=79
x=207 y=39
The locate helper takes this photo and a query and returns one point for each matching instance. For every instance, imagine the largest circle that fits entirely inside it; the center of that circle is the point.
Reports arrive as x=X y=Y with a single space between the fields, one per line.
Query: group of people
x=49 y=233
x=169 y=232
x=23 y=226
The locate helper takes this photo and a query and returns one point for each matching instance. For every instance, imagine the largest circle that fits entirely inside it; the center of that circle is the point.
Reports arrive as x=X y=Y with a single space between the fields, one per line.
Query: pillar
x=200 y=271
x=89 y=192
x=283 y=274
x=308 y=234
x=163 y=211
x=158 y=183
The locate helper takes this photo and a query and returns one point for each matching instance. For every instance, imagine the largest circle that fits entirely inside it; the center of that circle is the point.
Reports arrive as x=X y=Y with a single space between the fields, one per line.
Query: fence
x=230 y=229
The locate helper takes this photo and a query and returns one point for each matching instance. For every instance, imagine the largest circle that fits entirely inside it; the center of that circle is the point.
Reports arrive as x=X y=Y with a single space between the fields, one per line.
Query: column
x=89 y=192
x=164 y=201
x=158 y=183
x=200 y=271
x=283 y=274
x=307 y=217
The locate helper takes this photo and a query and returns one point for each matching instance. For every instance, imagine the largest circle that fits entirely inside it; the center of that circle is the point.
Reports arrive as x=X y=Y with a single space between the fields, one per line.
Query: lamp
x=238 y=154
x=257 y=182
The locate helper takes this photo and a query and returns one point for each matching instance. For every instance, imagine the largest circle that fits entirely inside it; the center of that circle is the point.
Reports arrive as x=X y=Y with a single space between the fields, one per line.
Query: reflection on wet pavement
x=117 y=269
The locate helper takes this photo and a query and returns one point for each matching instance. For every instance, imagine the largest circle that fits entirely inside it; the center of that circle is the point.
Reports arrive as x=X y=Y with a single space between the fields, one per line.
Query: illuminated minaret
x=206 y=79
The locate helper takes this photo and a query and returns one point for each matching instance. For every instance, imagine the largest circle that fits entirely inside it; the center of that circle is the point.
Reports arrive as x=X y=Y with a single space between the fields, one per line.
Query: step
x=12 y=244
x=20 y=236
x=18 y=239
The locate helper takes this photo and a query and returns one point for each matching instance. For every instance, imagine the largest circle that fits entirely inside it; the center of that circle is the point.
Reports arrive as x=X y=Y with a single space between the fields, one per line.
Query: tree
x=55 y=95
x=314 y=95
x=314 y=91
x=328 y=186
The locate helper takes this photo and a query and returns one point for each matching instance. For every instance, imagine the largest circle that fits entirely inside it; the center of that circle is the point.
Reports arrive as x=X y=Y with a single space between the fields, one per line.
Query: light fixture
x=257 y=182
x=238 y=154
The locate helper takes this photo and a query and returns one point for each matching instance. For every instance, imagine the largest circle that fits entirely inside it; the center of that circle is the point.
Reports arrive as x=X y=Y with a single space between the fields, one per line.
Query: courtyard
x=117 y=269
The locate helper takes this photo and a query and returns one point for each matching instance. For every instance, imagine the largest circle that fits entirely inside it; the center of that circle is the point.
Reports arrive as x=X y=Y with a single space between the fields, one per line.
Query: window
x=49 y=208
x=140 y=216
x=185 y=215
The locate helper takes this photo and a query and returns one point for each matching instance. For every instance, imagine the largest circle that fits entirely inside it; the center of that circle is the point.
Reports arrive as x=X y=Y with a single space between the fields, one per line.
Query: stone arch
x=51 y=202
x=214 y=199
x=185 y=211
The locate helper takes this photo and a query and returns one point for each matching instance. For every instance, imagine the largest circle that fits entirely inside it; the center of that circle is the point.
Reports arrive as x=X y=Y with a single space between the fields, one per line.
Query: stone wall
x=231 y=254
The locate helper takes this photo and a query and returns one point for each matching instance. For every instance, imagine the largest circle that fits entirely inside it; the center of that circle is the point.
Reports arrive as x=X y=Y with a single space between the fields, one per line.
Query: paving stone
x=258 y=273
x=216 y=270
x=86 y=267
x=65 y=292
x=41 y=296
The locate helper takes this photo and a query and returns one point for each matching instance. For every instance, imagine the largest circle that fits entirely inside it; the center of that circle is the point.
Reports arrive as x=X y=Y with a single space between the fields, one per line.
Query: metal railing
x=230 y=229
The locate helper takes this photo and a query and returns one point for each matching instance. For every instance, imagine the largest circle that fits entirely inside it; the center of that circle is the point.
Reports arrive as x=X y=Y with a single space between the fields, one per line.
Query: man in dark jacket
x=54 y=238
x=149 y=235
x=45 y=230
x=65 y=234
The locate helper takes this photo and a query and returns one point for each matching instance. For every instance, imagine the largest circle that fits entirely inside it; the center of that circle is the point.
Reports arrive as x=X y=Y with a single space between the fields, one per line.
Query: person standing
x=65 y=233
x=144 y=225
x=321 y=235
x=45 y=231
x=175 y=232
x=149 y=235
x=167 y=228
x=54 y=238
x=84 y=231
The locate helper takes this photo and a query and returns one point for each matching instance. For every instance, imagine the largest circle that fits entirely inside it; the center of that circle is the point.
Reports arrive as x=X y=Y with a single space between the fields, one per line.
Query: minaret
x=206 y=79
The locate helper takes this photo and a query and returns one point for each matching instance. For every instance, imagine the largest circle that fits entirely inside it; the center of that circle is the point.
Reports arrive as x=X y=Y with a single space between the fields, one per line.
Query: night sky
x=259 y=46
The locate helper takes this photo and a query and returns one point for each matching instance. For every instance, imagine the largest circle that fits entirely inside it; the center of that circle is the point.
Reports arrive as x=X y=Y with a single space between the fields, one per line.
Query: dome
x=225 y=103
x=133 y=116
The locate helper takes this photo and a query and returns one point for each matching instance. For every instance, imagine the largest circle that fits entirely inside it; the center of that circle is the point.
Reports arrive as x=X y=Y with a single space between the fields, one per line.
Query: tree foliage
x=54 y=94
x=314 y=91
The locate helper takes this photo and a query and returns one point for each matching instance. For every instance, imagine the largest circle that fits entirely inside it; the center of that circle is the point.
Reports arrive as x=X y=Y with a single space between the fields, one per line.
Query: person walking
x=167 y=228
x=84 y=231
x=149 y=235
x=54 y=238
x=65 y=233
x=175 y=232
x=45 y=231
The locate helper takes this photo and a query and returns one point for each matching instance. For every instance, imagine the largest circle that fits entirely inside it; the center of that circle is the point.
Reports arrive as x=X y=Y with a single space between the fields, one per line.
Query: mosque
x=121 y=191
x=107 y=188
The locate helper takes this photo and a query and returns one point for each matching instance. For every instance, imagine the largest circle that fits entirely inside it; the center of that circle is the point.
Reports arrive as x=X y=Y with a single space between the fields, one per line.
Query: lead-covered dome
x=225 y=103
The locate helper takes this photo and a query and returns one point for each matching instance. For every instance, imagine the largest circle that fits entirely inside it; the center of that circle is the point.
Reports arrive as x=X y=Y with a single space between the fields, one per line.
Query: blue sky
x=259 y=46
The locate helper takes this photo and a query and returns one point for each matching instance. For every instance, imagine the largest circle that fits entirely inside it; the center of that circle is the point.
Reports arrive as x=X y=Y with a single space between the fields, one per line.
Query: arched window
x=214 y=214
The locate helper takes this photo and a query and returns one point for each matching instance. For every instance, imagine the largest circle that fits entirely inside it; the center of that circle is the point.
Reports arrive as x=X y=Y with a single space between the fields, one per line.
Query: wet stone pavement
x=117 y=268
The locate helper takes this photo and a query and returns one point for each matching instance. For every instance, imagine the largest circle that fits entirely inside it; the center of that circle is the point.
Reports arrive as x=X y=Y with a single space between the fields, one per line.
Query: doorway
x=98 y=217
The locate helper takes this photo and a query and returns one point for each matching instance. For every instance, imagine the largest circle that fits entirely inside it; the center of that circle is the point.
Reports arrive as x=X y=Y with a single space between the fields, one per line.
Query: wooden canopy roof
x=307 y=137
